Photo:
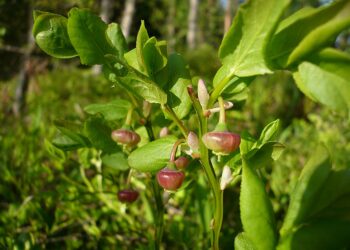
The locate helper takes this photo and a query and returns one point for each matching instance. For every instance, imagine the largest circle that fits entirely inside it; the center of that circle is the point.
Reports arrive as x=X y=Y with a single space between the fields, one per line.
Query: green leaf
x=333 y=61
x=307 y=31
x=269 y=132
x=335 y=189
x=179 y=78
x=87 y=33
x=66 y=143
x=114 y=110
x=242 y=242
x=306 y=191
x=266 y=154
x=131 y=59
x=70 y=137
x=116 y=161
x=155 y=56
x=324 y=87
x=116 y=38
x=242 y=50
x=99 y=134
x=141 y=39
x=150 y=92
x=50 y=33
x=256 y=210
x=323 y=35
x=321 y=234
x=153 y=156
x=247 y=143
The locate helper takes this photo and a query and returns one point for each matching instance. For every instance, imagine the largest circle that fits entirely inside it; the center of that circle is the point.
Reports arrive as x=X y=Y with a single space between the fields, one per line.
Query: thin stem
x=159 y=217
x=209 y=171
x=128 y=119
x=222 y=118
x=218 y=89
x=166 y=109
x=174 y=149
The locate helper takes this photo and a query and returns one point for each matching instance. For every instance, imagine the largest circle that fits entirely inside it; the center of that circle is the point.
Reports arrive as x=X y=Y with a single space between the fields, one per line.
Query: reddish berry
x=182 y=162
x=170 y=179
x=128 y=195
x=125 y=136
x=222 y=142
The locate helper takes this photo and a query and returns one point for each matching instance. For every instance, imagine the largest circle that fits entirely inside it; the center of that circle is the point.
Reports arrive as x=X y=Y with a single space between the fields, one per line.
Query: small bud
x=226 y=177
x=203 y=95
x=164 y=132
x=146 y=108
x=193 y=143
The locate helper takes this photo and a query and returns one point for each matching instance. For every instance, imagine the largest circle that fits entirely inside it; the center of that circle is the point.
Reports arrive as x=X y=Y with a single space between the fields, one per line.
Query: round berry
x=182 y=162
x=125 y=136
x=221 y=142
x=170 y=179
x=128 y=195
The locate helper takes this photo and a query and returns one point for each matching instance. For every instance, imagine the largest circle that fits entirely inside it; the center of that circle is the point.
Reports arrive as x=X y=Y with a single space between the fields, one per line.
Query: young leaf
x=305 y=32
x=87 y=34
x=242 y=50
x=153 y=156
x=70 y=137
x=306 y=191
x=179 y=78
x=266 y=154
x=115 y=160
x=269 y=132
x=322 y=86
x=256 y=210
x=155 y=56
x=116 y=38
x=50 y=33
x=114 y=110
x=100 y=134
x=141 y=39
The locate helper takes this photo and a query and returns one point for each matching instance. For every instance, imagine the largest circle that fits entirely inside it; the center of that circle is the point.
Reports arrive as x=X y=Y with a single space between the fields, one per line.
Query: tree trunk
x=228 y=16
x=106 y=15
x=171 y=25
x=128 y=15
x=24 y=74
x=192 y=24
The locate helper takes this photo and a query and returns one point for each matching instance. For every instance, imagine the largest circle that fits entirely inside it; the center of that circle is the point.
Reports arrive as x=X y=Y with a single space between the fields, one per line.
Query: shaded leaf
x=99 y=134
x=114 y=110
x=179 y=78
x=305 y=193
x=50 y=33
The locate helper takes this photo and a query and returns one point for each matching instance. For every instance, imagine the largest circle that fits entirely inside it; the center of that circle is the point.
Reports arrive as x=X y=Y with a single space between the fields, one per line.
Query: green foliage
x=153 y=156
x=50 y=32
x=298 y=44
x=256 y=210
x=242 y=50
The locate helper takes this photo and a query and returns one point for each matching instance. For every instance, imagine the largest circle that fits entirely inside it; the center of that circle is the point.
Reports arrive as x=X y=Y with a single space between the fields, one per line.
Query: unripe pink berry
x=221 y=142
x=125 y=136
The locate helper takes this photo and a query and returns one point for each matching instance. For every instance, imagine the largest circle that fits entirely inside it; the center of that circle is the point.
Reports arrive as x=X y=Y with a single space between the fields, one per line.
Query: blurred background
x=45 y=201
